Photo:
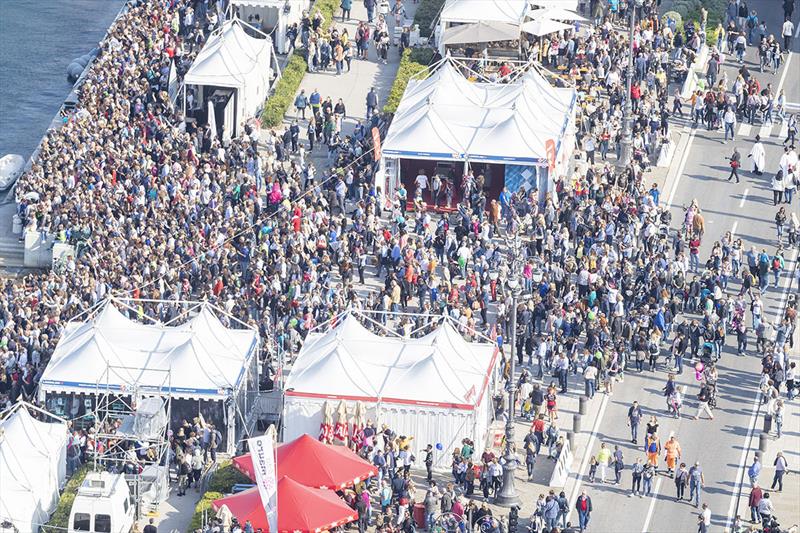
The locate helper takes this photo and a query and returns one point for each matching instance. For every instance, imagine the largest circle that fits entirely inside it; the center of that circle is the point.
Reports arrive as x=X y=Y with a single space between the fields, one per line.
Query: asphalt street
x=719 y=445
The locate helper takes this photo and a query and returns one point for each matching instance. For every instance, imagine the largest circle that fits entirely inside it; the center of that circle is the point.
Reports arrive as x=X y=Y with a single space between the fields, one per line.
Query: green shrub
x=59 y=520
x=203 y=505
x=225 y=478
x=405 y=71
x=427 y=11
x=286 y=88
x=284 y=92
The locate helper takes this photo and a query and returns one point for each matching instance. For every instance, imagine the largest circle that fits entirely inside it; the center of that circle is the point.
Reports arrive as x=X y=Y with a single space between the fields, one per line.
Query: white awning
x=481 y=32
x=510 y=11
x=539 y=27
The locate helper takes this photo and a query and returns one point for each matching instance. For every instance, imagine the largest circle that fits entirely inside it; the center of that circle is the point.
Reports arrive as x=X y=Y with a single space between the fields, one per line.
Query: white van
x=102 y=505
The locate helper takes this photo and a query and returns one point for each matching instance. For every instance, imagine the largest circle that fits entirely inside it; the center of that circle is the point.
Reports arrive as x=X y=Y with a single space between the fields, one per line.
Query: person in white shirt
x=729 y=118
x=787 y=31
x=758 y=156
x=421 y=181
x=704 y=519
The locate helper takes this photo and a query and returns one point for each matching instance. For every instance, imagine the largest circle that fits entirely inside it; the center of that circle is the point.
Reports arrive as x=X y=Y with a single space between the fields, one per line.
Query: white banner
x=262 y=450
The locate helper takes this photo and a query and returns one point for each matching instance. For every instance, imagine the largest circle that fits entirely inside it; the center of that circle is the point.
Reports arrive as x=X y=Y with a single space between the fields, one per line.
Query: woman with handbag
x=735 y=162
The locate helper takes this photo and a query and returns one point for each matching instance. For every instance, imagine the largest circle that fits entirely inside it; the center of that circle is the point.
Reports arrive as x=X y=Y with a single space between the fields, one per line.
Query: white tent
x=464 y=11
x=544 y=26
x=447 y=117
x=480 y=32
x=231 y=59
x=556 y=13
x=33 y=466
x=276 y=17
x=437 y=388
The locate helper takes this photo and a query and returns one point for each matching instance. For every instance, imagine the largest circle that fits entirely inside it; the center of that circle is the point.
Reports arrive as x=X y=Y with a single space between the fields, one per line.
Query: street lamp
x=626 y=152
x=508 y=497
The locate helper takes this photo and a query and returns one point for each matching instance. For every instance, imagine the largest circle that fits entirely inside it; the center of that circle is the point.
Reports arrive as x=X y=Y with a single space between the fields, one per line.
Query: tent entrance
x=493 y=174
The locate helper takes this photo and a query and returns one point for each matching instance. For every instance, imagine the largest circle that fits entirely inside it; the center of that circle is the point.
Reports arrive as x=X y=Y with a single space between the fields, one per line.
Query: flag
x=262 y=450
x=550 y=148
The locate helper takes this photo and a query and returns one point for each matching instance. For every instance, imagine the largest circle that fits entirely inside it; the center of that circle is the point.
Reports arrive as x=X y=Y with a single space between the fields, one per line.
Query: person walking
x=637 y=470
x=696 y=483
x=758 y=156
x=584 y=508
x=652 y=447
x=619 y=464
x=704 y=519
x=778 y=187
x=150 y=527
x=781 y=467
x=372 y=102
x=754 y=471
x=729 y=121
x=634 y=417
x=735 y=161
x=755 y=498
x=673 y=452
x=603 y=460
x=765 y=509
x=681 y=481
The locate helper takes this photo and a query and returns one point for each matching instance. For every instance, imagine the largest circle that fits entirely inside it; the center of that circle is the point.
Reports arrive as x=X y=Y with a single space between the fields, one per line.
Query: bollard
x=582 y=405
x=576 y=423
x=571 y=439
x=762 y=442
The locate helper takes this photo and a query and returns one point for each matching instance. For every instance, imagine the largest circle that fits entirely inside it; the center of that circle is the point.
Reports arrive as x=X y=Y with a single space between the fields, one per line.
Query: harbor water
x=38 y=39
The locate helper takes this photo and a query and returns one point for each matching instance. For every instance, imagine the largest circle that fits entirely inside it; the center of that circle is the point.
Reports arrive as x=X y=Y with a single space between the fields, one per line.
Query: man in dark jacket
x=584 y=508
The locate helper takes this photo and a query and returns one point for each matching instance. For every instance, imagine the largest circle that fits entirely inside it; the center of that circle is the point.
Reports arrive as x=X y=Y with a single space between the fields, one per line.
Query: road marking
x=684 y=159
x=784 y=131
x=785 y=71
x=748 y=441
x=733 y=229
x=744 y=129
x=765 y=131
x=744 y=197
x=797 y=31
x=652 y=506
x=576 y=490
x=792 y=105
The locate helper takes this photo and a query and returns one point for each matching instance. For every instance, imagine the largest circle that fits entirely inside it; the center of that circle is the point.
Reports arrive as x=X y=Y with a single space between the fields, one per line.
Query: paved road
x=747 y=210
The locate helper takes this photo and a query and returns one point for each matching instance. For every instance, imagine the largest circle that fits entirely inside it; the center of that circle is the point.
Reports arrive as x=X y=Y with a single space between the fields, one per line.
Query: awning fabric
x=447 y=117
x=544 y=26
x=200 y=359
x=32 y=468
x=481 y=32
x=314 y=464
x=511 y=11
x=300 y=509
x=555 y=13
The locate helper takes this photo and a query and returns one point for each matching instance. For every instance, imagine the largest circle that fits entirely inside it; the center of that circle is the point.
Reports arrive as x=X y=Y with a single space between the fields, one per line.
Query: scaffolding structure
x=132 y=433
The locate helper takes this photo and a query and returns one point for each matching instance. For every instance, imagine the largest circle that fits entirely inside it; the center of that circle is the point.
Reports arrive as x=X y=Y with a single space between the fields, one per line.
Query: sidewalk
x=787 y=510
x=352 y=87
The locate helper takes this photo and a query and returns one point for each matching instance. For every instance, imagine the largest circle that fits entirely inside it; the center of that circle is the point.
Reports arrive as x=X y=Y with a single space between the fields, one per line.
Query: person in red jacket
x=755 y=496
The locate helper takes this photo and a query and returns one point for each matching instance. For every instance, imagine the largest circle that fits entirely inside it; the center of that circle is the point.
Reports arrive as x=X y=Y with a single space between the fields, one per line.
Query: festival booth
x=437 y=388
x=502 y=16
x=518 y=134
x=274 y=17
x=301 y=509
x=200 y=365
x=33 y=467
x=230 y=78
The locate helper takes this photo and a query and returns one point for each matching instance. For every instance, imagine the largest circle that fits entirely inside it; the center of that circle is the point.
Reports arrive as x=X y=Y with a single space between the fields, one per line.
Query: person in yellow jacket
x=672 y=449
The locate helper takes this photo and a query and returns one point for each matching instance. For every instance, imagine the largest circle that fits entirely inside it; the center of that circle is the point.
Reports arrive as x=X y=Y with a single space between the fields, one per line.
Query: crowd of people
x=162 y=210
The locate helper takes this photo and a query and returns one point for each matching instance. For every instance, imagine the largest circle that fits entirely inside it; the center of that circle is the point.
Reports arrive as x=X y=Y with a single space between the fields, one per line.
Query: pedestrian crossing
x=777 y=130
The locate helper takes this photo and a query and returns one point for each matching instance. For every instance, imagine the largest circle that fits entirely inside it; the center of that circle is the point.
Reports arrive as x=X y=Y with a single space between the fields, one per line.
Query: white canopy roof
x=555 y=13
x=32 y=468
x=440 y=369
x=447 y=117
x=233 y=59
x=481 y=32
x=512 y=11
x=544 y=26
x=206 y=359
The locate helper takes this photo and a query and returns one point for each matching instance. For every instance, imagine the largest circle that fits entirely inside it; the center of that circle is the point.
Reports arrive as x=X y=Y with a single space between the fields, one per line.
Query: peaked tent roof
x=300 y=508
x=481 y=32
x=447 y=117
x=229 y=58
x=32 y=467
x=111 y=350
x=314 y=464
x=440 y=369
x=511 y=11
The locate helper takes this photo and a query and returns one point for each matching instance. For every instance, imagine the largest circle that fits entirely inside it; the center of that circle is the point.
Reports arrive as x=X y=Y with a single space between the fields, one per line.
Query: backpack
x=652 y=446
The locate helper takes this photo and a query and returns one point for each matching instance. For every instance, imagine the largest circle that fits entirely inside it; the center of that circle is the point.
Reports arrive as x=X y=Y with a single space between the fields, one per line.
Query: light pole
x=626 y=152
x=508 y=497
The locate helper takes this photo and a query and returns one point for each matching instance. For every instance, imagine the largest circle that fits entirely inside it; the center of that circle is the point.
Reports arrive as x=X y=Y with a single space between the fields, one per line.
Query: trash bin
x=419 y=515
x=767 y=423
x=16 y=225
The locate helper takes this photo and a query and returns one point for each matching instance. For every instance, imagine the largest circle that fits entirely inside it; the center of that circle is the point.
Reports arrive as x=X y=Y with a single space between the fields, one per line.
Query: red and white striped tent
x=436 y=388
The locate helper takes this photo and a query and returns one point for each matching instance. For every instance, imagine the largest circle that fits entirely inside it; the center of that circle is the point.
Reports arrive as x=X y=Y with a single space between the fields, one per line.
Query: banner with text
x=262 y=450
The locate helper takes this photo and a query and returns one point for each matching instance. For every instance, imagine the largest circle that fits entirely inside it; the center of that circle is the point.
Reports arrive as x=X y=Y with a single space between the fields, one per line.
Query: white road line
x=684 y=159
x=744 y=197
x=576 y=490
x=733 y=229
x=792 y=105
x=785 y=71
x=652 y=507
x=744 y=129
x=797 y=31
x=748 y=441
x=784 y=132
x=765 y=131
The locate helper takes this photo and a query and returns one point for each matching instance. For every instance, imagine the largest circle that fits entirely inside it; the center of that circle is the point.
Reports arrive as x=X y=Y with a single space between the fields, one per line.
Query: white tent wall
x=32 y=469
x=427 y=424
x=273 y=16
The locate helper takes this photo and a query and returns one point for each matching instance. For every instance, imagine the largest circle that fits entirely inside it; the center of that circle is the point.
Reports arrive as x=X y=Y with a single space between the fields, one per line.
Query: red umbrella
x=314 y=464
x=300 y=508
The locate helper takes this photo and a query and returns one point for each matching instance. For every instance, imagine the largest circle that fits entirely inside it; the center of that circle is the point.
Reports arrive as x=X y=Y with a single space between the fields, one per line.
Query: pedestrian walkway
x=351 y=86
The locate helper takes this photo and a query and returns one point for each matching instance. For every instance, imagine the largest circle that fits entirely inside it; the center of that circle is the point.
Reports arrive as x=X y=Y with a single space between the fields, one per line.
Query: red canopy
x=300 y=508
x=314 y=464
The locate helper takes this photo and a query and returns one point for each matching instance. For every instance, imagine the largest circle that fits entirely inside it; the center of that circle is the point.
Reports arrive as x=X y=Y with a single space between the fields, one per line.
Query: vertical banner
x=376 y=142
x=550 y=148
x=262 y=450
